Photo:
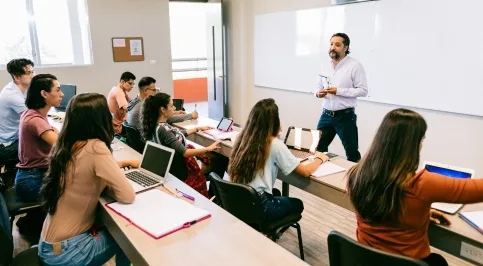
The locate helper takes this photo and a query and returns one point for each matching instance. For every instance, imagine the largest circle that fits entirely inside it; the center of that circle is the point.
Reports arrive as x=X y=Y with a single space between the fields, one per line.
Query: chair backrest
x=340 y=246
x=178 y=103
x=240 y=200
x=6 y=247
x=134 y=139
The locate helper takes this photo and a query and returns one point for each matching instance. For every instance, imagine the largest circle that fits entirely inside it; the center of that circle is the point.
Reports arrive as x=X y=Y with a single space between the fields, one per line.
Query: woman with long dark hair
x=392 y=200
x=258 y=154
x=81 y=167
x=156 y=111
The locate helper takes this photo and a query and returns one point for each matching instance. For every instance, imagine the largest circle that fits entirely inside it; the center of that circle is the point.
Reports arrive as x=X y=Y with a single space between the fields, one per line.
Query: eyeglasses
x=327 y=79
x=130 y=83
x=29 y=72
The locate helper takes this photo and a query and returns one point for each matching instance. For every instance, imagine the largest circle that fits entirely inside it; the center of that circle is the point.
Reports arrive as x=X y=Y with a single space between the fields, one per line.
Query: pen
x=195 y=107
x=168 y=189
x=185 y=195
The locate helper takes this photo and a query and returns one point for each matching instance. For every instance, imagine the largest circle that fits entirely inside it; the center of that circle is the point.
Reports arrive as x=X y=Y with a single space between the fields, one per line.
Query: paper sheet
x=328 y=168
x=159 y=213
x=119 y=42
x=136 y=47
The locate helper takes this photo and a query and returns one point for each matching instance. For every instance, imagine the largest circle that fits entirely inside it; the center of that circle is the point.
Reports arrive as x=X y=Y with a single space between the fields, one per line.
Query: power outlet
x=471 y=252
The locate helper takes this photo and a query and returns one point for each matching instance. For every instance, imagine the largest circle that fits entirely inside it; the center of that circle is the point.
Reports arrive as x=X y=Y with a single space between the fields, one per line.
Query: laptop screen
x=447 y=172
x=156 y=160
x=69 y=91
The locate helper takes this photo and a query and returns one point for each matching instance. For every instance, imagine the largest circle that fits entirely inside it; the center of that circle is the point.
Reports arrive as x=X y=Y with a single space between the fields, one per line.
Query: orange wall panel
x=191 y=90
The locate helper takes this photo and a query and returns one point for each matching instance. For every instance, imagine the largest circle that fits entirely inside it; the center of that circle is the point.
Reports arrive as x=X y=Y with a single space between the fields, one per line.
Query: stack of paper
x=158 y=213
x=328 y=168
x=474 y=218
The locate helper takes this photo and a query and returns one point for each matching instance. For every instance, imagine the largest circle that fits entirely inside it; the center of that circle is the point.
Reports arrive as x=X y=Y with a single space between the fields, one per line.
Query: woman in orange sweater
x=392 y=200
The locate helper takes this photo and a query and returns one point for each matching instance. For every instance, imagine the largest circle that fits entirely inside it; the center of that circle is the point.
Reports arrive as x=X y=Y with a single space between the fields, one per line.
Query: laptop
x=450 y=171
x=298 y=142
x=154 y=167
x=69 y=91
x=223 y=130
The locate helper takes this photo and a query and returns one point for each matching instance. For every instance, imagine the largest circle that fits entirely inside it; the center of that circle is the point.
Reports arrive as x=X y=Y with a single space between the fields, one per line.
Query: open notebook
x=159 y=214
x=328 y=168
x=474 y=218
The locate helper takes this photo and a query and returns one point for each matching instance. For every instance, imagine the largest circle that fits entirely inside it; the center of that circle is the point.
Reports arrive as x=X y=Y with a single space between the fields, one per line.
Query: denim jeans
x=276 y=207
x=83 y=249
x=344 y=124
x=28 y=183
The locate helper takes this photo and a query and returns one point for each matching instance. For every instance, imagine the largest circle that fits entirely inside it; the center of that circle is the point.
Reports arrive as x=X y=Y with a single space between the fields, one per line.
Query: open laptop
x=154 y=167
x=223 y=130
x=450 y=171
x=302 y=142
x=69 y=91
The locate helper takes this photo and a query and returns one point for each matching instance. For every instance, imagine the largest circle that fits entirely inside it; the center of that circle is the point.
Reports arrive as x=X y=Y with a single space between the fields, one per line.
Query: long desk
x=333 y=188
x=219 y=240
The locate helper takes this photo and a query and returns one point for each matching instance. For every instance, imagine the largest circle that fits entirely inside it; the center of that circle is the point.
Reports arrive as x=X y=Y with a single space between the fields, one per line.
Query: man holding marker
x=341 y=81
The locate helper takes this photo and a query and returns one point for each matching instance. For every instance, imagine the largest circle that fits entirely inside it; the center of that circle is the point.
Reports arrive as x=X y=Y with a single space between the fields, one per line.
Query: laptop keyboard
x=141 y=179
x=300 y=154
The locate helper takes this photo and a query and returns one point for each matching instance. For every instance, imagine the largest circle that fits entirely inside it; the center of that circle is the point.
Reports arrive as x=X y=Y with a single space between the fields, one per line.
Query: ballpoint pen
x=185 y=195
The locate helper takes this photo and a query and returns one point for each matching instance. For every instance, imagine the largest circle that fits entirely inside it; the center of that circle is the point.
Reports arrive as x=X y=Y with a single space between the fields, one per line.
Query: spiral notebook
x=159 y=214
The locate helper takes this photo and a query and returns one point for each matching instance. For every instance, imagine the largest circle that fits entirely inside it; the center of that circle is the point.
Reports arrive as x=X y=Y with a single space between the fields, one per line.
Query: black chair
x=134 y=139
x=178 y=103
x=344 y=251
x=10 y=170
x=244 y=203
x=16 y=207
x=27 y=257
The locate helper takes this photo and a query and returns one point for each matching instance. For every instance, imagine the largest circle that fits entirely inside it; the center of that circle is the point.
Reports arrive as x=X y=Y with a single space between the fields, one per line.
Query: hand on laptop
x=214 y=146
x=129 y=163
x=322 y=156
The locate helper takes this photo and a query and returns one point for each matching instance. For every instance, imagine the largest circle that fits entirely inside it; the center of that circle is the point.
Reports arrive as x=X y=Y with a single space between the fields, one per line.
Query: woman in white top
x=258 y=154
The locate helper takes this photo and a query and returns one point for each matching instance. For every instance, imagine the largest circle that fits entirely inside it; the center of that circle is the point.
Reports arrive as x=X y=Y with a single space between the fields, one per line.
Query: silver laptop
x=450 y=171
x=154 y=167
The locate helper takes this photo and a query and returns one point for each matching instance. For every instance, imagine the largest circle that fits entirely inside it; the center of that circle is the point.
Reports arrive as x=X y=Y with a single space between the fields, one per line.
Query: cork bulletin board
x=127 y=49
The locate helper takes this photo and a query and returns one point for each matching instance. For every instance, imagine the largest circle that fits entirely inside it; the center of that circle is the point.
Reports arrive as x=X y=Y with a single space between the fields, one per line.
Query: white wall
x=120 y=18
x=451 y=138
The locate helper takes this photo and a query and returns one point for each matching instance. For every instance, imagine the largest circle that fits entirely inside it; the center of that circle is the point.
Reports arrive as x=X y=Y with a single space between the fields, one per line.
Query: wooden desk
x=220 y=240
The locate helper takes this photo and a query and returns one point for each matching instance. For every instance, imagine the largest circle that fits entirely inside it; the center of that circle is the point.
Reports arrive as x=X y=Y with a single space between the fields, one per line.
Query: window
x=49 y=32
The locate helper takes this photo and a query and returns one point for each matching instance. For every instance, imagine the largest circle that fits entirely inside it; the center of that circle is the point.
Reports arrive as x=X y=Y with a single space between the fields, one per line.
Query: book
x=474 y=218
x=159 y=214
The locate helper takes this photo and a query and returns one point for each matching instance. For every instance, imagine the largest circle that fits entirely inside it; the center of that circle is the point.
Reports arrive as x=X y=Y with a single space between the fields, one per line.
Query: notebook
x=474 y=218
x=168 y=215
x=449 y=171
x=328 y=168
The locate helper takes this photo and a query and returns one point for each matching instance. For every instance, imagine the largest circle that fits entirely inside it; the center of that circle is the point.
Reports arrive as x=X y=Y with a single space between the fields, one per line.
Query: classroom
x=241 y=132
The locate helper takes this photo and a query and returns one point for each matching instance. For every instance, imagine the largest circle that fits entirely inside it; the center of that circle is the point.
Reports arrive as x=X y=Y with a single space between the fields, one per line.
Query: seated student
x=12 y=105
x=36 y=136
x=81 y=167
x=392 y=200
x=147 y=87
x=118 y=99
x=156 y=111
x=258 y=154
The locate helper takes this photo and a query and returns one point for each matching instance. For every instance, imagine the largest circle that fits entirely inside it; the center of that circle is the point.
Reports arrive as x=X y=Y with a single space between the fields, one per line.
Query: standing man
x=12 y=105
x=117 y=100
x=341 y=81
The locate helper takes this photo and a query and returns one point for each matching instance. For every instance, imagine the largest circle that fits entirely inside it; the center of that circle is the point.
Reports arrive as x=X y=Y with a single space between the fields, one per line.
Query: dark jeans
x=344 y=124
x=28 y=183
x=275 y=206
x=9 y=154
x=435 y=260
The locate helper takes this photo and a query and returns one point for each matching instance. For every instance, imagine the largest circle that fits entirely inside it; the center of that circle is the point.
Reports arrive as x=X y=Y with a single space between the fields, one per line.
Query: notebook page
x=328 y=168
x=159 y=213
x=475 y=217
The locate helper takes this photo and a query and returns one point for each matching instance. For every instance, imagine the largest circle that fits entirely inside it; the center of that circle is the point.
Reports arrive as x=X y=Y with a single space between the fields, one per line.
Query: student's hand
x=180 y=112
x=331 y=90
x=322 y=93
x=203 y=128
x=322 y=156
x=194 y=115
x=129 y=163
x=438 y=217
x=214 y=146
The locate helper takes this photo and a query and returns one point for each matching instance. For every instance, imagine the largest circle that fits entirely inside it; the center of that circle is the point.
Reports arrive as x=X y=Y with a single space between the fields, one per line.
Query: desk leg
x=285 y=189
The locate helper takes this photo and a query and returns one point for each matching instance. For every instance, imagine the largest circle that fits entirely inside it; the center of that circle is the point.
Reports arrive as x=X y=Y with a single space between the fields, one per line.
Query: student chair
x=27 y=257
x=134 y=139
x=178 y=103
x=10 y=170
x=244 y=203
x=15 y=206
x=344 y=251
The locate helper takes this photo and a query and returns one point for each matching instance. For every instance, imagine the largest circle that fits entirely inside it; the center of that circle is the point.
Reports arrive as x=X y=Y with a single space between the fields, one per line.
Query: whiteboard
x=416 y=53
